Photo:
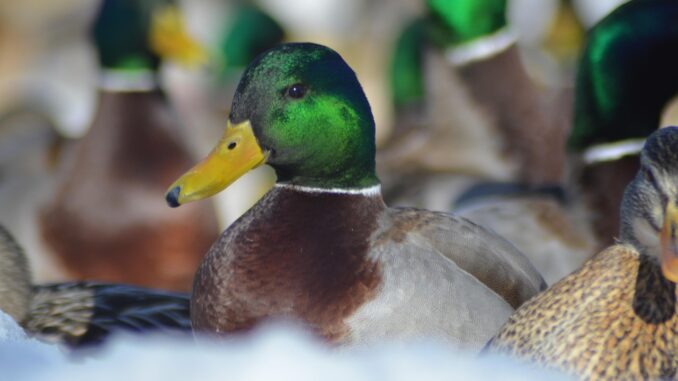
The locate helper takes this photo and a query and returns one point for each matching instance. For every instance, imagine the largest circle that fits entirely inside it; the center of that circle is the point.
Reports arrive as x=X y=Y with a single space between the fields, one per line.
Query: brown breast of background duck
x=108 y=219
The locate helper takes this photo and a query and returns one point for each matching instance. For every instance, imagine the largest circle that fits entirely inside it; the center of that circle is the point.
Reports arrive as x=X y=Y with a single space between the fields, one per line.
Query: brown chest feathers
x=108 y=220
x=613 y=319
x=296 y=255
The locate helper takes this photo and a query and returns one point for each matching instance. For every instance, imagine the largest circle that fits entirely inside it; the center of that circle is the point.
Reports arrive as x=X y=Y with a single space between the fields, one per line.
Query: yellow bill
x=169 y=38
x=236 y=153
x=669 y=246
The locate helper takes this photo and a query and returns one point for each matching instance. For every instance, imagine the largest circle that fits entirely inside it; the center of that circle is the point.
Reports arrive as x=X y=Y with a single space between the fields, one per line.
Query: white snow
x=277 y=352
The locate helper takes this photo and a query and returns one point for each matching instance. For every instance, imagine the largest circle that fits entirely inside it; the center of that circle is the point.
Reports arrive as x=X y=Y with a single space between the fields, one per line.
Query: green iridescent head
x=309 y=112
x=251 y=33
x=627 y=74
x=299 y=108
x=137 y=35
x=407 y=79
x=460 y=21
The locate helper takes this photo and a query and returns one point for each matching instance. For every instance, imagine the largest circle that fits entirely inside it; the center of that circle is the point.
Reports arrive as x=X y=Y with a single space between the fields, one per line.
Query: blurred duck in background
x=106 y=220
x=626 y=88
x=46 y=72
x=615 y=318
x=82 y=314
x=467 y=111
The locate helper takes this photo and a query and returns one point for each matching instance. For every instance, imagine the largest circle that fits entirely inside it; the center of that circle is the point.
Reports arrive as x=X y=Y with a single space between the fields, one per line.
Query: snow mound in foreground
x=277 y=353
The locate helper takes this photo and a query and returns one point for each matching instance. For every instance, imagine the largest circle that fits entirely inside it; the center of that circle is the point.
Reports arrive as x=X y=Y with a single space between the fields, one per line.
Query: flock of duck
x=506 y=264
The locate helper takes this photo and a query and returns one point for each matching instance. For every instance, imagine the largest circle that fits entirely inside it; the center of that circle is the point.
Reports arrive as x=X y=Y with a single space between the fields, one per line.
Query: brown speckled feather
x=108 y=220
x=613 y=319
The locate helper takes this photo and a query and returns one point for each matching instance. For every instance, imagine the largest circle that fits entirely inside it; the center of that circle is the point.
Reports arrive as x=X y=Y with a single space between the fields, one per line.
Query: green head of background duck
x=448 y=23
x=627 y=77
x=615 y=318
x=322 y=246
x=104 y=222
x=138 y=35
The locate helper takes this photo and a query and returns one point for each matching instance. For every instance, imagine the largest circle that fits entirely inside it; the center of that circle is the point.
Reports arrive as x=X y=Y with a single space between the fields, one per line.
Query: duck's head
x=628 y=73
x=649 y=211
x=299 y=108
x=460 y=21
x=138 y=35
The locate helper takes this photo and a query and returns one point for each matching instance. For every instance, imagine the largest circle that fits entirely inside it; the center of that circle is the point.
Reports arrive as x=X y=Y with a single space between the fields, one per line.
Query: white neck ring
x=128 y=80
x=481 y=48
x=368 y=191
x=607 y=152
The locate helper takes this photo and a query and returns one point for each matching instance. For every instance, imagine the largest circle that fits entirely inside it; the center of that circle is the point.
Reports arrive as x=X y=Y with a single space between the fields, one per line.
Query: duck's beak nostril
x=172 y=197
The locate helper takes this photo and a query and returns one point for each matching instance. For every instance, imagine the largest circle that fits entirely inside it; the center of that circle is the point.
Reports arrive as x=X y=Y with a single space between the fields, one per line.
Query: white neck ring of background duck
x=139 y=80
x=481 y=48
x=606 y=152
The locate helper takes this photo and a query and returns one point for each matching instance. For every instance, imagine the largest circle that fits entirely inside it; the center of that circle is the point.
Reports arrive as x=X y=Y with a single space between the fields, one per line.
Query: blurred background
x=50 y=76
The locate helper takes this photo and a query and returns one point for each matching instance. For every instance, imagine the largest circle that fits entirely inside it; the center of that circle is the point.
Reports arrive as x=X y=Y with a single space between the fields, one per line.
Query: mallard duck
x=615 y=318
x=625 y=80
x=470 y=113
x=82 y=314
x=104 y=220
x=322 y=246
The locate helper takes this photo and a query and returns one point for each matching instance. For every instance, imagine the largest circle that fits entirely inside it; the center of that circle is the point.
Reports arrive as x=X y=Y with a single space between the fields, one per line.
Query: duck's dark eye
x=296 y=91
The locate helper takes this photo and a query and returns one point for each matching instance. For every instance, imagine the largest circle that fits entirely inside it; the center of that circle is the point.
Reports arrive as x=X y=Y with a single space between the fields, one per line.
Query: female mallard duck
x=321 y=246
x=104 y=221
x=626 y=79
x=615 y=318
x=82 y=313
x=477 y=115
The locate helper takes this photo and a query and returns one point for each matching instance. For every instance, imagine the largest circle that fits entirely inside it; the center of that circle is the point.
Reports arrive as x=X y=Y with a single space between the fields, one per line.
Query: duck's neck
x=602 y=189
x=501 y=86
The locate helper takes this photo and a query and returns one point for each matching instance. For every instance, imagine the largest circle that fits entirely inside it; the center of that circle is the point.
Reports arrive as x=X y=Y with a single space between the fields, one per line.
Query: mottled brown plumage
x=613 y=319
x=107 y=220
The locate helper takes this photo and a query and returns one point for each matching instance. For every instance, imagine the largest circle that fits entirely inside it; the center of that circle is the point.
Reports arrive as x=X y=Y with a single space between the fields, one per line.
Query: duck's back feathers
x=85 y=313
x=488 y=257
x=441 y=276
x=556 y=237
